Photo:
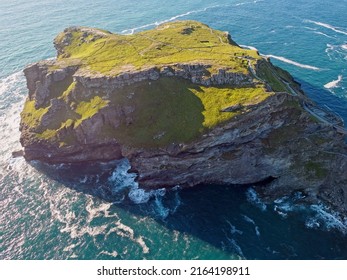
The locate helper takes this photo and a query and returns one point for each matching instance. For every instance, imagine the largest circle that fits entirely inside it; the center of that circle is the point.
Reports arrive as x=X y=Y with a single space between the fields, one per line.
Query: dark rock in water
x=185 y=105
x=17 y=154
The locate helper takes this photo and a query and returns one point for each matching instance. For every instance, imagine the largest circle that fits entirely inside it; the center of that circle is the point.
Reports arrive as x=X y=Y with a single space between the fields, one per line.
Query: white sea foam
x=344 y=47
x=326 y=219
x=13 y=84
x=249 y=47
x=236 y=247
x=323 y=34
x=328 y=26
x=248 y=219
x=334 y=83
x=251 y=221
x=177 y=202
x=233 y=229
x=253 y=198
x=102 y=210
x=310 y=28
x=122 y=180
x=160 y=209
x=127 y=232
x=139 y=196
x=286 y=60
x=318 y=216
x=69 y=248
x=157 y=23
x=112 y=254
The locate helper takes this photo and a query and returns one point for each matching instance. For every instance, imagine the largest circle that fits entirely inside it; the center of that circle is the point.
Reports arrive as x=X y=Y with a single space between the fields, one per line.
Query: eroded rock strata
x=186 y=105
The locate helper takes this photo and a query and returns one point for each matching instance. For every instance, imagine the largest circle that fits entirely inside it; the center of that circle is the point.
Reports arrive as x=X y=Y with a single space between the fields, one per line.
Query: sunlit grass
x=168 y=44
x=166 y=111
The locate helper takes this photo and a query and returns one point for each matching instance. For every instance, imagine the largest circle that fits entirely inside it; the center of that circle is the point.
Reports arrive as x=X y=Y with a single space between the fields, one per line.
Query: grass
x=268 y=73
x=169 y=110
x=30 y=115
x=87 y=109
x=168 y=44
x=173 y=110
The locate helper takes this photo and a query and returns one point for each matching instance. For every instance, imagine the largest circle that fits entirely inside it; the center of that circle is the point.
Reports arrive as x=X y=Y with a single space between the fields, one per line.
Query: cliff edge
x=185 y=105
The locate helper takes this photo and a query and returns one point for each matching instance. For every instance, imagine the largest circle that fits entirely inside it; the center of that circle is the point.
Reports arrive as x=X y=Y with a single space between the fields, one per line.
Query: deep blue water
x=62 y=212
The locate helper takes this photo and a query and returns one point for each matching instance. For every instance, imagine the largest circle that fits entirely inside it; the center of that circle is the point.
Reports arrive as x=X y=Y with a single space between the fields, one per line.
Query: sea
x=98 y=211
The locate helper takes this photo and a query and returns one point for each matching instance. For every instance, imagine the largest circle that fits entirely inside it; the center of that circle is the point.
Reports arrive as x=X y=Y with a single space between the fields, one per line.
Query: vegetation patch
x=274 y=78
x=87 y=109
x=316 y=169
x=32 y=116
x=174 y=42
x=173 y=110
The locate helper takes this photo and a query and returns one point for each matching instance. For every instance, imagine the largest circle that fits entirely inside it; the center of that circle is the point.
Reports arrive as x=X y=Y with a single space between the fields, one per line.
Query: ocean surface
x=99 y=212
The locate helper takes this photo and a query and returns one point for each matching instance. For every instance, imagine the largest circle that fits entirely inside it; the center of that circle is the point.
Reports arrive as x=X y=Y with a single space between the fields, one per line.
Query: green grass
x=30 y=115
x=87 y=109
x=215 y=99
x=269 y=74
x=168 y=44
x=169 y=110
x=173 y=110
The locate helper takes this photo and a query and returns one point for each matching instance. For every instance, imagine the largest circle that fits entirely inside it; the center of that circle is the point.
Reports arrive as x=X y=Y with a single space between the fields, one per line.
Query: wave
x=251 y=221
x=233 y=229
x=12 y=89
x=254 y=199
x=249 y=47
x=328 y=26
x=124 y=184
x=236 y=247
x=315 y=216
x=125 y=231
x=250 y=2
x=334 y=83
x=326 y=219
x=112 y=254
x=157 y=23
x=286 y=60
x=323 y=34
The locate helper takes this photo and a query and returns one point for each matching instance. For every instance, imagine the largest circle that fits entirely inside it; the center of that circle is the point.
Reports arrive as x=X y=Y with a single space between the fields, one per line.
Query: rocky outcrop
x=81 y=115
x=197 y=73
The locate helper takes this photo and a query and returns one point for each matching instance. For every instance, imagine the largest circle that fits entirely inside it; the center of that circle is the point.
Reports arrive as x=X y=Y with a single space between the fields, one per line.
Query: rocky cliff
x=186 y=105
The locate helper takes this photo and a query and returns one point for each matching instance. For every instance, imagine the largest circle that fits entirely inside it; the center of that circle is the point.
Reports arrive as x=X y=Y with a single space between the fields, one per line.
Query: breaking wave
x=249 y=47
x=323 y=34
x=157 y=23
x=251 y=221
x=334 y=83
x=124 y=183
x=328 y=26
x=316 y=216
x=286 y=60
x=253 y=198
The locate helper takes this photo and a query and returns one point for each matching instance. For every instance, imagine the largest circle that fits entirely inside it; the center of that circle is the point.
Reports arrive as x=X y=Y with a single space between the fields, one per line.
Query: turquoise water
x=61 y=212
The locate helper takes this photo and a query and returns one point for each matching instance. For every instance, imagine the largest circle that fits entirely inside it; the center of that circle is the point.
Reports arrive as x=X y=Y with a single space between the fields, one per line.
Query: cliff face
x=185 y=105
